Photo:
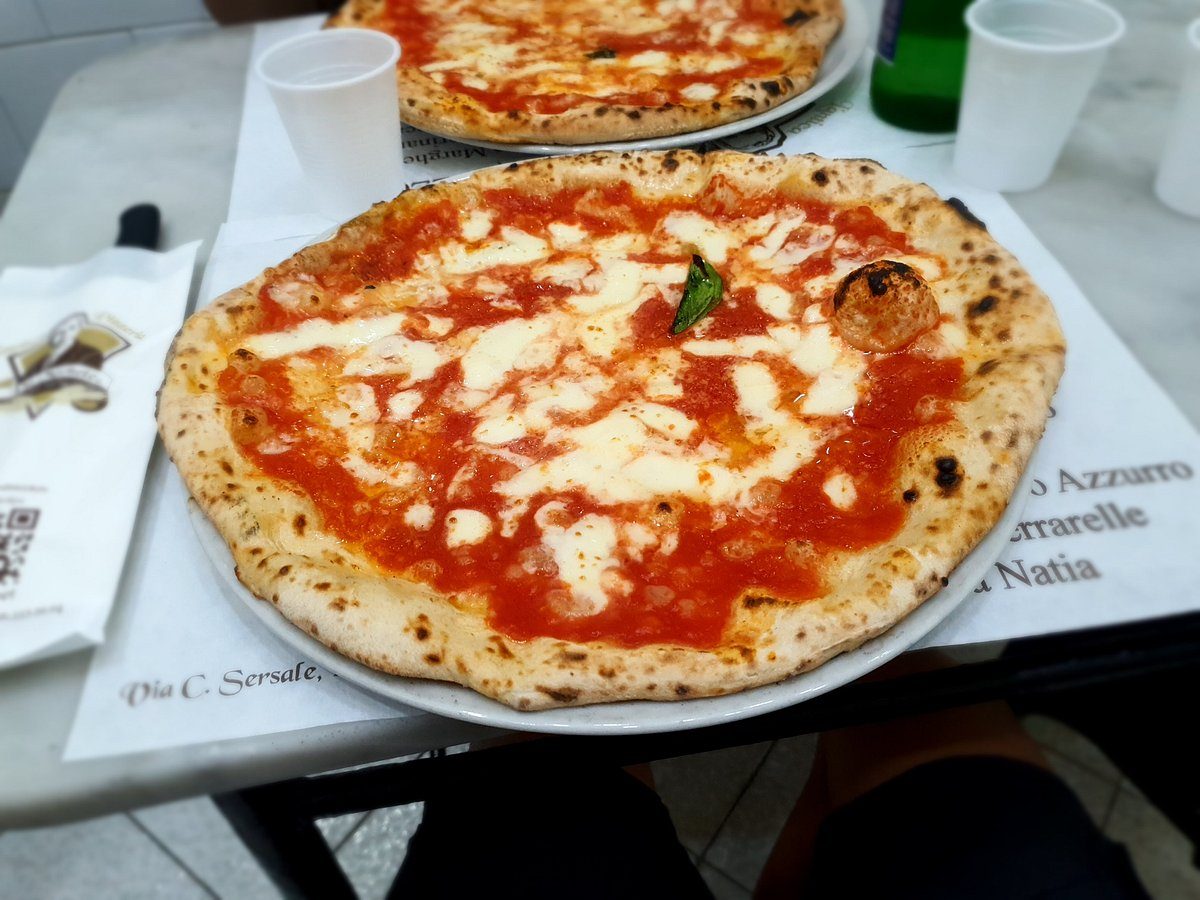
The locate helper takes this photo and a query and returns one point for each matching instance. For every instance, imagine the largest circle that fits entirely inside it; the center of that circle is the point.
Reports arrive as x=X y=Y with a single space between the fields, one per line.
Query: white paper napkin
x=81 y=354
x=184 y=663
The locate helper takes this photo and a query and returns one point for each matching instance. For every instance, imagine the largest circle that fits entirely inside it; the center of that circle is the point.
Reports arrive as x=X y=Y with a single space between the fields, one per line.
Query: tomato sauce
x=683 y=597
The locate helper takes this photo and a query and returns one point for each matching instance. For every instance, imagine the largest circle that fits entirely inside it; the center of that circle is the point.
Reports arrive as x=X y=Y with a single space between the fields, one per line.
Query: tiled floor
x=728 y=806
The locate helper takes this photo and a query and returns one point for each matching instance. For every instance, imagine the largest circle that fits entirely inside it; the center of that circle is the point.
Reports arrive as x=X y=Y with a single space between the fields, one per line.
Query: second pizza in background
x=583 y=71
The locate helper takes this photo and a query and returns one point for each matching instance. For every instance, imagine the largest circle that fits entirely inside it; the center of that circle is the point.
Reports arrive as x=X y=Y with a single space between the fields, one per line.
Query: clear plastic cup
x=1030 y=65
x=336 y=94
x=1178 y=181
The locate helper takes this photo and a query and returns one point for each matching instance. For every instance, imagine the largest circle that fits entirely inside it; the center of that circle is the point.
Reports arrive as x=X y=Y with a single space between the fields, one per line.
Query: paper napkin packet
x=81 y=356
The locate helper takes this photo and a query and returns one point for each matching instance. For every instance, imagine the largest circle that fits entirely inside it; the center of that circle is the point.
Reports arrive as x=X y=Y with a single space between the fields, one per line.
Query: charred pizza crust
x=956 y=478
x=435 y=108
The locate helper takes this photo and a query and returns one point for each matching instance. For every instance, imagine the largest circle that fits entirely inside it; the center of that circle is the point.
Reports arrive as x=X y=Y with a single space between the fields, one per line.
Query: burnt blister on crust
x=799 y=17
x=983 y=305
x=961 y=208
x=948 y=475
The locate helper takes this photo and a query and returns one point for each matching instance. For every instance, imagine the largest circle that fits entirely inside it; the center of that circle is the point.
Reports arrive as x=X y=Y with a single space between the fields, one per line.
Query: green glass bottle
x=917 y=77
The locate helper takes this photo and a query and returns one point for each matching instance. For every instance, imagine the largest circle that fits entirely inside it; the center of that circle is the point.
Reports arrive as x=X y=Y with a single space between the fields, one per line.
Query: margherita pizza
x=577 y=71
x=617 y=426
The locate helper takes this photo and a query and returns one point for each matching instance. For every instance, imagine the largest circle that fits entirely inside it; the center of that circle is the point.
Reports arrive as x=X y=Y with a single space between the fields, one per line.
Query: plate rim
x=854 y=37
x=455 y=701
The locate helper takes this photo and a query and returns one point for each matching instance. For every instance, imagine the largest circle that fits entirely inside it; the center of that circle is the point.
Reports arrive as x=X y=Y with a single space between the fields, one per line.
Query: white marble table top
x=160 y=124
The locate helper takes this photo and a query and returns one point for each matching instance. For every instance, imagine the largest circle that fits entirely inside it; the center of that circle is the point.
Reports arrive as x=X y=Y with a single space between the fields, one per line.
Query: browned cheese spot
x=987 y=366
x=299 y=524
x=226 y=467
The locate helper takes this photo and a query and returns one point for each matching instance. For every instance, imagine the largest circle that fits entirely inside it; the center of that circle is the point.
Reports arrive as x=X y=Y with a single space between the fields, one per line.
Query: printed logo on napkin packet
x=230 y=683
x=63 y=367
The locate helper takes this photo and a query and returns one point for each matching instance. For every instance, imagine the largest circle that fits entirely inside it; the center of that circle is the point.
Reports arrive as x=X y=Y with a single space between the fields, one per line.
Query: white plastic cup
x=336 y=94
x=1030 y=65
x=1178 y=181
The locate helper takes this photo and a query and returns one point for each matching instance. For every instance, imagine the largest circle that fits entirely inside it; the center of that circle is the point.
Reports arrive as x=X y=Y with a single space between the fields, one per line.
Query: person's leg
x=959 y=803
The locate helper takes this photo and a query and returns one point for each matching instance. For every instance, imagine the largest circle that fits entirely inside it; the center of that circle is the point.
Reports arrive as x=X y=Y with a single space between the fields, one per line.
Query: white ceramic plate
x=459 y=702
x=840 y=57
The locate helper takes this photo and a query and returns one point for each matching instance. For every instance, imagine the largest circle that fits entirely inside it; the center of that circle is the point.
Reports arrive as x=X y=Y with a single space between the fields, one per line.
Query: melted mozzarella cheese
x=439 y=326
x=774 y=301
x=401 y=406
x=360 y=439
x=699 y=91
x=563 y=235
x=616 y=284
x=478 y=224
x=746 y=346
x=562 y=394
x=357 y=406
x=840 y=490
x=466 y=526
x=650 y=59
x=397 y=355
x=812 y=350
x=514 y=248
x=835 y=392
x=584 y=551
x=693 y=229
x=771 y=244
x=564 y=271
x=419 y=517
x=511 y=345
x=313 y=333
x=499 y=424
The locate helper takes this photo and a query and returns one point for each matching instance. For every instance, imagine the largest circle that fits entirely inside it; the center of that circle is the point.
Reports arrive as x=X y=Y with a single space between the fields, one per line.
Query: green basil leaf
x=701 y=294
x=602 y=53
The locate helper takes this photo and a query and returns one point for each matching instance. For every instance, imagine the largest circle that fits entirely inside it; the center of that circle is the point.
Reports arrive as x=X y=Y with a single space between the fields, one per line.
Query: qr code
x=17 y=527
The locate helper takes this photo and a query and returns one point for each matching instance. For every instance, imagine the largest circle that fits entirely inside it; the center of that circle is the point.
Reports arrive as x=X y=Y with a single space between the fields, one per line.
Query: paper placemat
x=1105 y=537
